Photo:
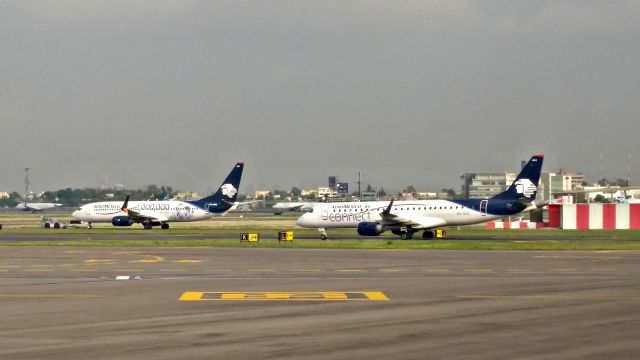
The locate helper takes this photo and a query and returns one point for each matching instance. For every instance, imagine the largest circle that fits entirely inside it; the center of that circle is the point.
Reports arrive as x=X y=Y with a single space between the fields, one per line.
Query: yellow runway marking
x=285 y=295
x=308 y=270
x=604 y=269
x=9 y=266
x=187 y=261
x=42 y=270
x=152 y=259
x=99 y=261
x=520 y=270
x=219 y=270
x=435 y=270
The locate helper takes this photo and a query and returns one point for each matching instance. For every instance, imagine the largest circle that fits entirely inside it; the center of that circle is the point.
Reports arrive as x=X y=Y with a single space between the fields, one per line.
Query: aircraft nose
x=306 y=220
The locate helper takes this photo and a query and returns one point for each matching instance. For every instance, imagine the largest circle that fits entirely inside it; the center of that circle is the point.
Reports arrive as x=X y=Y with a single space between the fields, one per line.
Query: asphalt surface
x=65 y=303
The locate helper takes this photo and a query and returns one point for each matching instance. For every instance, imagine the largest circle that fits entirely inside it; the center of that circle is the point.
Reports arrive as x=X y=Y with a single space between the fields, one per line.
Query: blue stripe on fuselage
x=494 y=206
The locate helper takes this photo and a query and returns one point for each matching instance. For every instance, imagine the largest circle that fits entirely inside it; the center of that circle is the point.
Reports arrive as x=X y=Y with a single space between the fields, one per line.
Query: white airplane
x=34 y=206
x=279 y=208
x=404 y=218
x=161 y=212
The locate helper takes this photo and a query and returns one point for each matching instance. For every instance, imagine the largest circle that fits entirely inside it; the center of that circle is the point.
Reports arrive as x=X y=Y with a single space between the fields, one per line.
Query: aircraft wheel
x=427 y=234
x=323 y=236
x=165 y=226
x=147 y=226
x=406 y=236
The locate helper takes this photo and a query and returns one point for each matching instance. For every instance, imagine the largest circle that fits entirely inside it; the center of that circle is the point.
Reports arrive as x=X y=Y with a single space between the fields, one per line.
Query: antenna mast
x=26 y=184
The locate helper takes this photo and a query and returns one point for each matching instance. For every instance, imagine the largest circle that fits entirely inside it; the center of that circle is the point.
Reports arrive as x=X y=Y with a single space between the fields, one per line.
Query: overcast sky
x=407 y=92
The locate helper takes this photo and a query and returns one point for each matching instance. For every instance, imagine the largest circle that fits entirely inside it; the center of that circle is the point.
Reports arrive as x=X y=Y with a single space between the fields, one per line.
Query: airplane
x=279 y=208
x=162 y=212
x=34 y=206
x=404 y=218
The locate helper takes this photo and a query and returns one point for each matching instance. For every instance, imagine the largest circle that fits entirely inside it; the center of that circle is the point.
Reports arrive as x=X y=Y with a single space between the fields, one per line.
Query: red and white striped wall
x=514 y=225
x=594 y=216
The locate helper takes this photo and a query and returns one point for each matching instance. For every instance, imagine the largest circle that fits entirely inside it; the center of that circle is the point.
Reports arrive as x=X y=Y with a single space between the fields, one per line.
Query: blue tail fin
x=525 y=186
x=227 y=194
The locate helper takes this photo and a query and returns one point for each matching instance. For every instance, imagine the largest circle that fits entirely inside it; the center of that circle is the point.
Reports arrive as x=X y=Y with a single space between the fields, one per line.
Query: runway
x=66 y=303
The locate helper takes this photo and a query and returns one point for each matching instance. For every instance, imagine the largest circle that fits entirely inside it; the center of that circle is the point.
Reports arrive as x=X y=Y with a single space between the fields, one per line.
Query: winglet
x=388 y=209
x=125 y=205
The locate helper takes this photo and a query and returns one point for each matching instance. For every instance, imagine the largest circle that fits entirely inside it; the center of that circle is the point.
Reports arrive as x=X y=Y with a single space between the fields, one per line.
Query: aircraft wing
x=287 y=206
x=144 y=216
x=240 y=203
x=416 y=222
x=139 y=216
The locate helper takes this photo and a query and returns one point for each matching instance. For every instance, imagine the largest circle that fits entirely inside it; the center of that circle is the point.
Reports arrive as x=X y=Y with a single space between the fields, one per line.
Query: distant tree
x=281 y=193
x=49 y=196
x=603 y=182
x=410 y=189
x=381 y=192
x=295 y=192
x=10 y=201
x=600 y=199
x=369 y=188
x=450 y=192
x=620 y=182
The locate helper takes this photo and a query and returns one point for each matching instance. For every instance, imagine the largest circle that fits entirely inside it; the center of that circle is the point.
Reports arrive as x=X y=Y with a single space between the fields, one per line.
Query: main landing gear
x=427 y=234
x=323 y=234
x=406 y=235
x=148 y=225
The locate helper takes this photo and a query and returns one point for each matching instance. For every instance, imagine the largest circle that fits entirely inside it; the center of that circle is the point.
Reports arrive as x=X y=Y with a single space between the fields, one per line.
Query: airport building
x=488 y=184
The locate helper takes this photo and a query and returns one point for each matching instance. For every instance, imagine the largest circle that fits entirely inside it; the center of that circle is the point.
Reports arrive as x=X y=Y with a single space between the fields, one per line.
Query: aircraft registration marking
x=285 y=295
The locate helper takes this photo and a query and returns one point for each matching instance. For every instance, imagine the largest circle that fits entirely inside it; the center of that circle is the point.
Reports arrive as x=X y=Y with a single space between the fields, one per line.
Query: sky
x=406 y=92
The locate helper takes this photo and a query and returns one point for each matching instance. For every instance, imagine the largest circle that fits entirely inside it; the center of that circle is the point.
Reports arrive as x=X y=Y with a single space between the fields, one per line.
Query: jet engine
x=121 y=221
x=370 y=229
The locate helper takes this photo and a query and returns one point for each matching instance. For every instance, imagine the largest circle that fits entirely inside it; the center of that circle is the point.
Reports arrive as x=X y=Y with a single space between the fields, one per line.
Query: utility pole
x=26 y=185
x=359 y=182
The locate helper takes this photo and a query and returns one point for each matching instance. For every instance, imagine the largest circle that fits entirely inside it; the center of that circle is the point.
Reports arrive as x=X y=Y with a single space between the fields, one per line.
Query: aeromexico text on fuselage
x=173 y=210
x=352 y=214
